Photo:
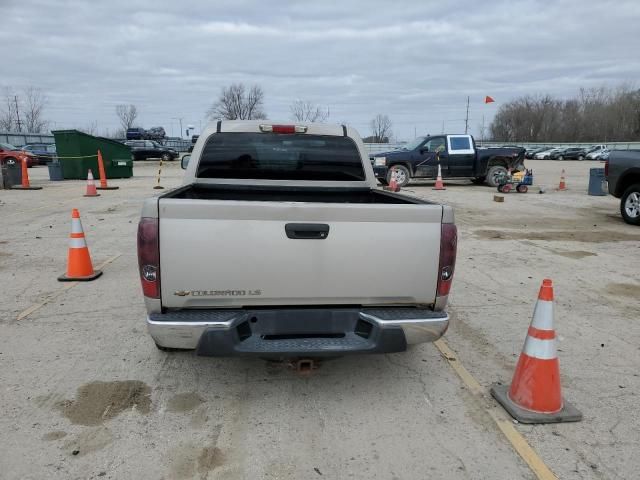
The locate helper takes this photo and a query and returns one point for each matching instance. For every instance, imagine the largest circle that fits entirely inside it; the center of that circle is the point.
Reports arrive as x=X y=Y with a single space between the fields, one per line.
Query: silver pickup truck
x=273 y=248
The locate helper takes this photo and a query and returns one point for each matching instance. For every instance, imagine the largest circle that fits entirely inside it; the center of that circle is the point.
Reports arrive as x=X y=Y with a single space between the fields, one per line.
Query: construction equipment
x=518 y=181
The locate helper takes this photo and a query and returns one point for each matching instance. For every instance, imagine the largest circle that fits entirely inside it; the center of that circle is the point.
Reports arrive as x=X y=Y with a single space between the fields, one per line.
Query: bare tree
x=235 y=103
x=381 y=128
x=91 y=128
x=127 y=115
x=33 y=105
x=305 y=111
x=7 y=111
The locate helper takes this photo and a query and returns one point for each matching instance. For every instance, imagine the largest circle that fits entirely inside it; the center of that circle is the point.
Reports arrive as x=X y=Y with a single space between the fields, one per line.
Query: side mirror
x=185 y=161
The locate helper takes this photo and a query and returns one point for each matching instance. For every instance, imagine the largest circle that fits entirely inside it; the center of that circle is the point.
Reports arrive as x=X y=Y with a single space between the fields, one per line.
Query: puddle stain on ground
x=184 y=402
x=96 y=402
x=55 y=435
x=187 y=460
x=576 y=254
x=595 y=236
x=624 y=289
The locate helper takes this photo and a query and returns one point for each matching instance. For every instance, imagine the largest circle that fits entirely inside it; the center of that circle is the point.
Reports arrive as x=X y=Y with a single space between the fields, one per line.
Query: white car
x=594 y=151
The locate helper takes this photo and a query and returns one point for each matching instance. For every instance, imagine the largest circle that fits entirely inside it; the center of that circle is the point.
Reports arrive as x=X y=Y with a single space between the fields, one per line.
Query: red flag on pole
x=488 y=99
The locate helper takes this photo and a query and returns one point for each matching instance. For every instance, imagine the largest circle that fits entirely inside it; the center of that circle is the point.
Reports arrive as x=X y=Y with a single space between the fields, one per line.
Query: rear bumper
x=297 y=332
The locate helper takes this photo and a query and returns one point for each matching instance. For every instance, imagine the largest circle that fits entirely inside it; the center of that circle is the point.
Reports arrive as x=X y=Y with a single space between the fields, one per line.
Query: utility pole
x=466 y=121
x=180 y=119
x=15 y=98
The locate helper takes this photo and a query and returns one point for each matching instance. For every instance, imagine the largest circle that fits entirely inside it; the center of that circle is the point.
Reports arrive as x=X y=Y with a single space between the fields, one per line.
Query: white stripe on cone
x=76 y=226
x=77 y=243
x=543 y=315
x=540 y=349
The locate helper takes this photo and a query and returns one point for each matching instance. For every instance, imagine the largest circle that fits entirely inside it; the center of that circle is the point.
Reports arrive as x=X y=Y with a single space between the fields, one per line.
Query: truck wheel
x=11 y=161
x=493 y=174
x=630 y=204
x=402 y=175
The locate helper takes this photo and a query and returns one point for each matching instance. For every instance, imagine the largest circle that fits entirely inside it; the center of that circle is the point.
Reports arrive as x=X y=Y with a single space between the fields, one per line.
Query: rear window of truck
x=272 y=156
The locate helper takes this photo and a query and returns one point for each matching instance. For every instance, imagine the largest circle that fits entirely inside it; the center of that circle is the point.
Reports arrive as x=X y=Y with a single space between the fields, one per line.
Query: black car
x=571 y=153
x=145 y=149
x=44 y=152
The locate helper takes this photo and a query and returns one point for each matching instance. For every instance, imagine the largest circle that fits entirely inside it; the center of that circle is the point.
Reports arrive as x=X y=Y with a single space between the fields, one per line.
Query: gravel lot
x=85 y=393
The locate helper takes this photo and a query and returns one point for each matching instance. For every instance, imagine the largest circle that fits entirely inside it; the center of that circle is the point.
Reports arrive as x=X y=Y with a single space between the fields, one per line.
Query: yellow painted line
x=37 y=306
x=518 y=442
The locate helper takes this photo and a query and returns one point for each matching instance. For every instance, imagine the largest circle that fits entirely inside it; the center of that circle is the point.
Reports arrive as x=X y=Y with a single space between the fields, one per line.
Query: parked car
x=135 y=133
x=546 y=154
x=266 y=250
x=594 y=151
x=622 y=171
x=44 y=152
x=10 y=155
x=532 y=151
x=457 y=156
x=569 y=153
x=146 y=149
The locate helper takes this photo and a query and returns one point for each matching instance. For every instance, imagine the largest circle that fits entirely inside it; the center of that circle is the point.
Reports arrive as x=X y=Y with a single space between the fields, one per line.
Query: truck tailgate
x=220 y=253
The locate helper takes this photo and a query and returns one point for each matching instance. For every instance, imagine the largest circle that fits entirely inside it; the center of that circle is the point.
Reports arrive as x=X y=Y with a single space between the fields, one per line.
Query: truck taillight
x=606 y=168
x=283 y=128
x=149 y=257
x=448 y=248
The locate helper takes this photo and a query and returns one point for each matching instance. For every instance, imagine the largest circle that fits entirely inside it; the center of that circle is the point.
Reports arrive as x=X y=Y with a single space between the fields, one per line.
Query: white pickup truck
x=273 y=247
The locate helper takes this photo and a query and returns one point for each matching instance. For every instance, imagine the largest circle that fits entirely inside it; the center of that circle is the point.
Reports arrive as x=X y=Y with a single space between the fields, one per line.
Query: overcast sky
x=414 y=61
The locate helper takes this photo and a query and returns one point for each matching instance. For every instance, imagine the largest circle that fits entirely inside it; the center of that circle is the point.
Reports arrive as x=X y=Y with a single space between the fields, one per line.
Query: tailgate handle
x=307 y=231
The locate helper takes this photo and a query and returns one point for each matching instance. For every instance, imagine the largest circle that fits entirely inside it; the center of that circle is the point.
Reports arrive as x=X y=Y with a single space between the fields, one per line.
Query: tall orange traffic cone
x=439 y=183
x=25 y=179
x=79 y=267
x=91 y=186
x=103 y=175
x=535 y=395
x=563 y=185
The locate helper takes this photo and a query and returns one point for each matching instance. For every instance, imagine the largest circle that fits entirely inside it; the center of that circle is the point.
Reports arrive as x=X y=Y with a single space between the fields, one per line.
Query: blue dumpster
x=597 y=182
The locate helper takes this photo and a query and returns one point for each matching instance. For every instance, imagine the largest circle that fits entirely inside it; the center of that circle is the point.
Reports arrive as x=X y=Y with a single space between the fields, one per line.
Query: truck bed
x=252 y=193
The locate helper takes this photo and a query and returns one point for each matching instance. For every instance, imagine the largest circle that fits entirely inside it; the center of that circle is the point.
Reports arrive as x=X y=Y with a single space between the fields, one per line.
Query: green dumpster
x=78 y=152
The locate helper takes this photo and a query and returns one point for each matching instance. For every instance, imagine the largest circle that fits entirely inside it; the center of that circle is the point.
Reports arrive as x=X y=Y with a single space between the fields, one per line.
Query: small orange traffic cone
x=393 y=184
x=79 y=267
x=103 y=175
x=91 y=186
x=535 y=395
x=25 y=179
x=439 y=183
x=563 y=185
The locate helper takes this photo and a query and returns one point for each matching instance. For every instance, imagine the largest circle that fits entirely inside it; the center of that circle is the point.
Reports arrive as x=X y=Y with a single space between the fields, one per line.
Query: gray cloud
x=415 y=61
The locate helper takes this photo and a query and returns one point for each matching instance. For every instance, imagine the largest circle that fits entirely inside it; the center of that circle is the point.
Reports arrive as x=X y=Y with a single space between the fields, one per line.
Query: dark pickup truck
x=623 y=176
x=458 y=158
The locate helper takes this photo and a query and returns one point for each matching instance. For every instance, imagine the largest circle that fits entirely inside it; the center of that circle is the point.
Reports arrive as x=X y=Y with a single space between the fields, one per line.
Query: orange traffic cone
x=91 y=186
x=439 y=183
x=535 y=394
x=79 y=267
x=393 y=184
x=103 y=175
x=563 y=185
x=25 y=179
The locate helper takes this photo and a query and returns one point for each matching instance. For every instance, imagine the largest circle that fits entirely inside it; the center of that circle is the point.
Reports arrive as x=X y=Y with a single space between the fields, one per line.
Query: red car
x=11 y=155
